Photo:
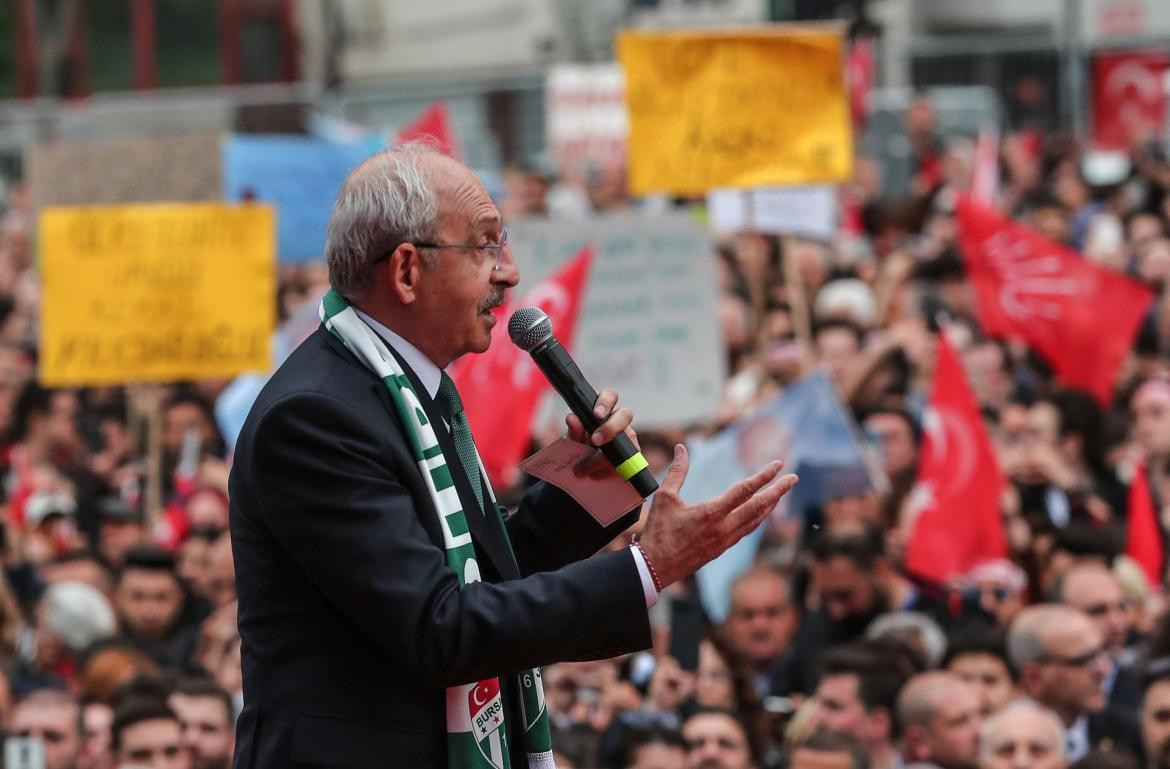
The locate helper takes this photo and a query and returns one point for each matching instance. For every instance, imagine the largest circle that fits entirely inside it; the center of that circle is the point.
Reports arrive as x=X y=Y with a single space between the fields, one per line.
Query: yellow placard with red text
x=144 y=293
x=740 y=108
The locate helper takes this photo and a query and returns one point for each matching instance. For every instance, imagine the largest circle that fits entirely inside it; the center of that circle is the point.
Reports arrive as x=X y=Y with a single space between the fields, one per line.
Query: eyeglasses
x=1103 y=608
x=997 y=592
x=1079 y=661
x=493 y=250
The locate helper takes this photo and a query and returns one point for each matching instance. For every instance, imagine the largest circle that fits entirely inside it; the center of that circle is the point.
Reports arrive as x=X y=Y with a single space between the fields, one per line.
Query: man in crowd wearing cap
x=1062 y=662
x=70 y=617
x=50 y=523
x=998 y=589
x=940 y=720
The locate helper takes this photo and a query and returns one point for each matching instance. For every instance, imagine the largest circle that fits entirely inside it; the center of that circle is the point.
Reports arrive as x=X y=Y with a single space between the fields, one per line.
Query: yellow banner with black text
x=739 y=108
x=143 y=293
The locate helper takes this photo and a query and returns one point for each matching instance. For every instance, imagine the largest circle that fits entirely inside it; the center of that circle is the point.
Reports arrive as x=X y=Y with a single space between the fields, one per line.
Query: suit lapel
x=485 y=529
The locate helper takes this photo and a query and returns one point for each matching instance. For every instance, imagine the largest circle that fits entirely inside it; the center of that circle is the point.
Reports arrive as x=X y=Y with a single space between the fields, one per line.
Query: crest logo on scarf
x=486 y=708
x=533 y=694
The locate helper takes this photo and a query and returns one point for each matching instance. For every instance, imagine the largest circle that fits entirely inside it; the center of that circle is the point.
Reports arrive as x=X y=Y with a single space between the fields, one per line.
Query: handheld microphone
x=531 y=330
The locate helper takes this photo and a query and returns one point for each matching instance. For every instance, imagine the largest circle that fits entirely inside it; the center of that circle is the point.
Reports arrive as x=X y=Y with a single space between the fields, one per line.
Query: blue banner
x=300 y=176
x=805 y=425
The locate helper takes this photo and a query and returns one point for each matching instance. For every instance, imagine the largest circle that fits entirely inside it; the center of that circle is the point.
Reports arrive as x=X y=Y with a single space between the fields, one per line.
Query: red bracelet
x=646 y=559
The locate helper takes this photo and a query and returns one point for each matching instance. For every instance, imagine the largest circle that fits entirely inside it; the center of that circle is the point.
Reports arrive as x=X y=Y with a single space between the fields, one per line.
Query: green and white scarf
x=476 y=738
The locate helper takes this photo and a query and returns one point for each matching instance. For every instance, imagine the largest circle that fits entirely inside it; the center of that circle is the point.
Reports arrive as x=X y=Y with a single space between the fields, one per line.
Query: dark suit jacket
x=352 y=623
x=1126 y=692
x=1115 y=729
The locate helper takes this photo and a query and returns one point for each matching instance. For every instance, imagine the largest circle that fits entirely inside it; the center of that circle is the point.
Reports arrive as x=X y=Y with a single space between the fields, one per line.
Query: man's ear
x=1030 y=681
x=881 y=724
x=914 y=741
x=405 y=270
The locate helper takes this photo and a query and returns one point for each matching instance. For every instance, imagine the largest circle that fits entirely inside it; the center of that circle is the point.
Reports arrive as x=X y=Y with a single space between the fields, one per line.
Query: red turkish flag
x=502 y=387
x=1129 y=100
x=954 y=506
x=432 y=126
x=1079 y=316
x=1143 y=539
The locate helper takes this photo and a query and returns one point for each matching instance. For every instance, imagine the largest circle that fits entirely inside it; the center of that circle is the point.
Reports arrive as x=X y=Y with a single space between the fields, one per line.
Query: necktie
x=461 y=435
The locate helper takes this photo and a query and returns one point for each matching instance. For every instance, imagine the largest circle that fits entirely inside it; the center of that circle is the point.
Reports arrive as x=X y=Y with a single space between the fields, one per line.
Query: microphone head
x=528 y=327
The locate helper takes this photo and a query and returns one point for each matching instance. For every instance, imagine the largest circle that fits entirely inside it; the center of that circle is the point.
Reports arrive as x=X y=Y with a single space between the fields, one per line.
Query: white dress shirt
x=430 y=375
x=1076 y=739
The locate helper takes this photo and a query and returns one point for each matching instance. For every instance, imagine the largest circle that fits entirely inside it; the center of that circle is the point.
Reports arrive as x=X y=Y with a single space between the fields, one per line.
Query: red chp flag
x=432 y=126
x=954 y=506
x=502 y=387
x=1079 y=316
x=1129 y=99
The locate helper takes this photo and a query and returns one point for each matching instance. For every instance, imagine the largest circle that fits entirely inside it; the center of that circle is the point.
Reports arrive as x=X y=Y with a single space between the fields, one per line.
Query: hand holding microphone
x=678 y=537
x=531 y=330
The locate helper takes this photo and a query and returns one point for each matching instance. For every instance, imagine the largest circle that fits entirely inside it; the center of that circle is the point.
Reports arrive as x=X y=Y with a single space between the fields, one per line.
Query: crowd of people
x=118 y=637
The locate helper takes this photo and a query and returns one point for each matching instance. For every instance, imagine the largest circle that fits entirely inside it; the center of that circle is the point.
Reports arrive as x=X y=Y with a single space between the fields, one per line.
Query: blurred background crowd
x=118 y=642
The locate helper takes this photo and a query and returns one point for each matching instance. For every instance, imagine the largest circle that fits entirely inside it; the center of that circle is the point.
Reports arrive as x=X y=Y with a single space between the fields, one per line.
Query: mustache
x=493 y=300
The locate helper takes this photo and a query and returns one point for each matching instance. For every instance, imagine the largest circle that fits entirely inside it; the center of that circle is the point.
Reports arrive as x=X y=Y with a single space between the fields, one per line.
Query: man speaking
x=390 y=616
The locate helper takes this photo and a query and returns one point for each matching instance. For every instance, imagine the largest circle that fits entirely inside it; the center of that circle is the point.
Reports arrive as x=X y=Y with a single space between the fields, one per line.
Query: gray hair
x=387 y=201
x=1012 y=711
x=1027 y=639
x=921 y=697
x=911 y=627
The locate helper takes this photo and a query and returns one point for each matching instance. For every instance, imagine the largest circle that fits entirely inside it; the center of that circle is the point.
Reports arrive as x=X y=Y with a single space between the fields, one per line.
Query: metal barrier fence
x=1042 y=82
x=1014 y=82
